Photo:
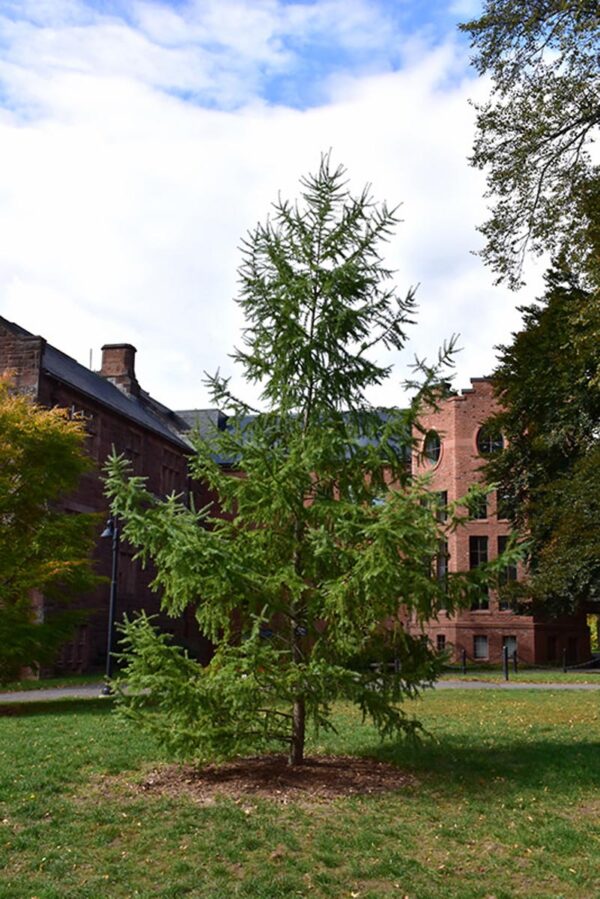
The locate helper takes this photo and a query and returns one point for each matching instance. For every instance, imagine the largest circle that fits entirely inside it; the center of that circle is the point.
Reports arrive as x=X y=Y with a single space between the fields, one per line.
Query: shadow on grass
x=100 y=705
x=470 y=762
x=532 y=764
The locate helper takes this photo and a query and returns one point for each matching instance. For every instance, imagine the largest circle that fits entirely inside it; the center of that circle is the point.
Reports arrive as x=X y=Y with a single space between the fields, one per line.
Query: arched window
x=489 y=441
x=432 y=446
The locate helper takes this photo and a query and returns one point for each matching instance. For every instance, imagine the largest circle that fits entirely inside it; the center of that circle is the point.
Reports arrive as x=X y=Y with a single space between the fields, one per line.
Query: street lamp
x=111 y=530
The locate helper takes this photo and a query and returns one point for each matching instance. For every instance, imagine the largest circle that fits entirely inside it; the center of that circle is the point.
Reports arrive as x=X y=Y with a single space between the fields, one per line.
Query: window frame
x=432 y=460
x=495 y=441
x=479 y=557
x=476 y=640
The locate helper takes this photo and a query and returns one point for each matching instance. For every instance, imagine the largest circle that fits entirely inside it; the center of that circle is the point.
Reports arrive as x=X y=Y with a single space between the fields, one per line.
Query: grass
x=527 y=675
x=507 y=804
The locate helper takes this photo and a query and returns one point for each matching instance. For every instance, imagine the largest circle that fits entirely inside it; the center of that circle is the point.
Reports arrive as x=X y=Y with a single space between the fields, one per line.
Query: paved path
x=91 y=691
x=509 y=685
x=87 y=691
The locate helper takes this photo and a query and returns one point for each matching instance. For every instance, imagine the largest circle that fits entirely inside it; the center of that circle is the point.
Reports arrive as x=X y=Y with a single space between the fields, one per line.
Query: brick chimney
x=118 y=366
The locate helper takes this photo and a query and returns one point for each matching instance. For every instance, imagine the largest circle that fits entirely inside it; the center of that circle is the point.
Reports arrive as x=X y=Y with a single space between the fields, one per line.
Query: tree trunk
x=298 y=730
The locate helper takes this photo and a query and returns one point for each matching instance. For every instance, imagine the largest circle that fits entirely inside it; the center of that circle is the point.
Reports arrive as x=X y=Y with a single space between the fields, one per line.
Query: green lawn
x=507 y=803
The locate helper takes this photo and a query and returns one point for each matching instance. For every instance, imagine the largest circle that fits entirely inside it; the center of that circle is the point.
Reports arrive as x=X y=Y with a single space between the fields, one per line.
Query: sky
x=140 y=141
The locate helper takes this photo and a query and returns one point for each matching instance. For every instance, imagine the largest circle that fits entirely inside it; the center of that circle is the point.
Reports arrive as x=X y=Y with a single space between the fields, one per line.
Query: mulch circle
x=270 y=777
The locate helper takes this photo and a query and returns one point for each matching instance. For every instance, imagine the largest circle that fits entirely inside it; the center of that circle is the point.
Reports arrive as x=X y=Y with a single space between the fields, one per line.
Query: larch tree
x=44 y=551
x=318 y=532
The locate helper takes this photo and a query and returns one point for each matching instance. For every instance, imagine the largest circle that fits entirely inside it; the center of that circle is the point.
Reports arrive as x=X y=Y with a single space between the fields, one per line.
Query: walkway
x=510 y=685
x=92 y=691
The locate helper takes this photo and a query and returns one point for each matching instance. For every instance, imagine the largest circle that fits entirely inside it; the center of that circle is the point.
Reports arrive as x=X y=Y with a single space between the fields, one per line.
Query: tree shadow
x=522 y=765
x=94 y=706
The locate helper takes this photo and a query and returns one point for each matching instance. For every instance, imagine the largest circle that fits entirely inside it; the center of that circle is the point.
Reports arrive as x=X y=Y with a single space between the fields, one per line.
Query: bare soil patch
x=317 y=780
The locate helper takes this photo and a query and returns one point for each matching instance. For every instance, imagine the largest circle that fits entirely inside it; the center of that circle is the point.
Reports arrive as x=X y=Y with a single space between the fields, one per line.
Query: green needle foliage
x=298 y=569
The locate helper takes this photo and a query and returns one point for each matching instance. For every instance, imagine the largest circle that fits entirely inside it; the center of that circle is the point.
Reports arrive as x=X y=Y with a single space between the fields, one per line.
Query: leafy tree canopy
x=43 y=550
x=534 y=133
x=548 y=382
x=298 y=568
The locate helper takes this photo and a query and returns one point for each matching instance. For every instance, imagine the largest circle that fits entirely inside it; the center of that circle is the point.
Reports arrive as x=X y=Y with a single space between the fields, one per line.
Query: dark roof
x=203 y=420
x=206 y=421
x=143 y=410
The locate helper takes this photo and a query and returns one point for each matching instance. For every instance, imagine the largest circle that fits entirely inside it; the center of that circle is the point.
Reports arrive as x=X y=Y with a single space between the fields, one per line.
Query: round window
x=489 y=441
x=432 y=447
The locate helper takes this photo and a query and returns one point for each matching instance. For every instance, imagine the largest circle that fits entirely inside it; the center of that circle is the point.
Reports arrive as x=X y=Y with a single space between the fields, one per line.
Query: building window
x=478 y=508
x=507 y=576
x=502 y=504
x=478 y=551
x=478 y=555
x=511 y=644
x=133 y=451
x=442 y=498
x=171 y=475
x=489 y=441
x=441 y=563
x=432 y=447
x=440 y=641
x=480 y=647
x=552 y=647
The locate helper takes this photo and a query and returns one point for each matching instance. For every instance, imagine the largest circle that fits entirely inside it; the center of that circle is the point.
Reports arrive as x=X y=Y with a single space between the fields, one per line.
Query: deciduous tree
x=548 y=382
x=44 y=552
x=535 y=132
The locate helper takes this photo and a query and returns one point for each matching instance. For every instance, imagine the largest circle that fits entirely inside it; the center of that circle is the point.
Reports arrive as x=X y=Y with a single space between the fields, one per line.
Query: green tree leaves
x=548 y=383
x=44 y=551
x=534 y=133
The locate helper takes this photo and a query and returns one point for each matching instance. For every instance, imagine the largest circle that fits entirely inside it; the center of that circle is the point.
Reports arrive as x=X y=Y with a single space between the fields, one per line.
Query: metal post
x=112 y=529
x=464 y=661
x=564 y=660
x=505 y=661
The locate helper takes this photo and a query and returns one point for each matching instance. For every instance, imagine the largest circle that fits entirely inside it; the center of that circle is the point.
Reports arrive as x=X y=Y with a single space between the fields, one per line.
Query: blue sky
x=287 y=52
x=140 y=140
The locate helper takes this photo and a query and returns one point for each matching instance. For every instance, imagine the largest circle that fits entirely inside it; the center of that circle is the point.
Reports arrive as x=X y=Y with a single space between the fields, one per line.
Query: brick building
x=119 y=414
x=454 y=446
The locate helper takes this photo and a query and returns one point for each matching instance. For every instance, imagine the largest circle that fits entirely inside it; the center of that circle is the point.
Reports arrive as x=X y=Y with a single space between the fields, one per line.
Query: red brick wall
x=161 y=461
x=21 y=356
x=457 y=421
x=164 y=465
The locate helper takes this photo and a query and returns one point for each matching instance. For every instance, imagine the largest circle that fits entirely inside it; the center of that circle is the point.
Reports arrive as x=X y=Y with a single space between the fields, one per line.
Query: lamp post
x=111 y=530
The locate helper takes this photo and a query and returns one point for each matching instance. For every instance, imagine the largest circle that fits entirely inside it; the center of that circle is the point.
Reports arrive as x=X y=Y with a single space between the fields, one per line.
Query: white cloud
x=122 y=206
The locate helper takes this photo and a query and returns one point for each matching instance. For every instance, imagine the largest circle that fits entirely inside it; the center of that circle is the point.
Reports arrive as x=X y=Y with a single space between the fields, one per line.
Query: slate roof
x=203 y=420
x=206 y=421
x=143 y=410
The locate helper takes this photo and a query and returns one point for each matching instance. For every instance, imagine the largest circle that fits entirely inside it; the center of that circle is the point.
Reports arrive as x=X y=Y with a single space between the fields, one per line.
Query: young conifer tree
x=318 y=533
